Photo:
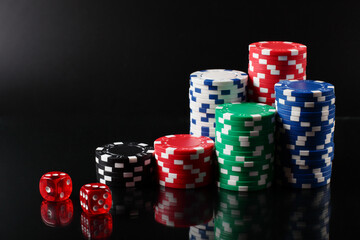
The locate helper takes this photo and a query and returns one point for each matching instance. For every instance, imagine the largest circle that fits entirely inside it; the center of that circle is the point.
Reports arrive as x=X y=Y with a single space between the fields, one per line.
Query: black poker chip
x=123 y=152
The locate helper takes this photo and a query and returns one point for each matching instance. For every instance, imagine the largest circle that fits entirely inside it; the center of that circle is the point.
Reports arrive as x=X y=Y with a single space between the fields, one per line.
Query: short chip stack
x=306 y=120
x=178 y=208
x=184 y=161
x=270 y=62
x=243 y=215
x=208 y=89
x=245 y=145
x=124 y=164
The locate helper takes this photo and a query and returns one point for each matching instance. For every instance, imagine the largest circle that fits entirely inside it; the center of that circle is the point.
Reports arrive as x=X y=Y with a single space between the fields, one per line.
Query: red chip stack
x=271 y=62
x=184 y=161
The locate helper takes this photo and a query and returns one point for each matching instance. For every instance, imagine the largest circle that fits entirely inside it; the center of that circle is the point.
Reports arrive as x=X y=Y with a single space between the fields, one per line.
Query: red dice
x=55 y=186
x=95 y=198
x=57 y=214
x=96 y=226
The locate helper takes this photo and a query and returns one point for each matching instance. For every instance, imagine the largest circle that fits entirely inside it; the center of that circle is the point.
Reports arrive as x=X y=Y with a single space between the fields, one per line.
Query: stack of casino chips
x=306 y=121
x=271 y=62
x=245 y=145
x=208 y=89
x=178 y=208
x=124 y=164
x=184 y=161
x=243 y=215
x=202 y=231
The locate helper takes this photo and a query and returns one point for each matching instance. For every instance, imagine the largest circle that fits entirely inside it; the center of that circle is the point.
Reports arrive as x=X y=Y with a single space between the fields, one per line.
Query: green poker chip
x=245 y=163
x=246 y=124
x=245 y=133
x=245 y=111
x=241 y=127
x=269 y=138
x=242 y=188
x=233 y=168
x=244 y=178
x=266 y=147
x=260 y=153
x=260 y=182
x=246 y=174
x=245 y=158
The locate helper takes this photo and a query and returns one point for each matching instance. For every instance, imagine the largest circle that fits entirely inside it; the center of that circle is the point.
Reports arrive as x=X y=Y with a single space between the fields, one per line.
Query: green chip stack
x=245 y=145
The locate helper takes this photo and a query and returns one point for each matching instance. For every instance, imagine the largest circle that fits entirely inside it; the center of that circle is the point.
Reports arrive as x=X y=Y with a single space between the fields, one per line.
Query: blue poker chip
x=198 y=100
x=311 y=147
x=308 y=175
x=311 y=163
x=282 y=111
x=312 y=152
x=203 y=110
x=296 y=132
x=309 y=181
x=304 y=88
x=293 y=128
x=303 y=109
x=306 y=169
x=315 y=157
x=204 y=128
x=215 y=98
x=219 y=77
x=205 y=115
x=318 y=140
x=221 y=90
x=305 y=118
x=305 y=123
x=304 y=99
x=198 y=122
x=280 y=101
x=202 y=105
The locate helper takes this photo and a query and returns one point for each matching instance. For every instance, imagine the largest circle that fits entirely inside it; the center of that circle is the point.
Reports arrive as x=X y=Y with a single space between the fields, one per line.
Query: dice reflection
x=96 y=226
x=57 y=214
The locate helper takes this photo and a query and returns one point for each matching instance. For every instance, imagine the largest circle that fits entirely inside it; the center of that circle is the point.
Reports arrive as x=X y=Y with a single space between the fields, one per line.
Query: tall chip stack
x=125 y=164
x=271 y=62
x=245 y=145
x=184 y=161
x=208 y=89
x=306 y=125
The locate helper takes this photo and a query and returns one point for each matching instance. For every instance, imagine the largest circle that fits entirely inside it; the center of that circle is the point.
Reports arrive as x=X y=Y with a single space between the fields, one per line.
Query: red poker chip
x=190 y=157
x=183 y=178
x=278 y=60
x=277 y=48
x=162 y=219
x=192 y=180
x=262 y=84
x=268 y=68
x=266 y=76
x=183 y=144
x=188 y=175
x=183 y=168
x=183 y=165
x=264 y=100
x=261 y=94
x=184 y=186
x=265 y=64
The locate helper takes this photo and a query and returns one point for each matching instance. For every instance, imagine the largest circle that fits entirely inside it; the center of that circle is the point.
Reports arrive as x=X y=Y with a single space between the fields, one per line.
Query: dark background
x=75 y=75
x=131 y=57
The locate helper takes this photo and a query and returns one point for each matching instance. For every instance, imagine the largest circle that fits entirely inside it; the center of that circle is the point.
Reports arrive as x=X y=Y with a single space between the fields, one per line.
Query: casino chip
x=125 y=164
x=245 y=145
x=178 y=208
x=271 y=62
x=243 y=215
x=184 y=161
x=208 y=89
x=305 y=140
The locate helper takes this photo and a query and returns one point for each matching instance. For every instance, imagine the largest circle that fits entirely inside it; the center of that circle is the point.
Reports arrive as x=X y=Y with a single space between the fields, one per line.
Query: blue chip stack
x=208 y=89
x=202 y=231
x=306 y=124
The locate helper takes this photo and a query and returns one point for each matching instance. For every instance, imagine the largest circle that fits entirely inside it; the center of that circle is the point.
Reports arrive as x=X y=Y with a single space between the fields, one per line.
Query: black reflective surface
x=32 y=146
